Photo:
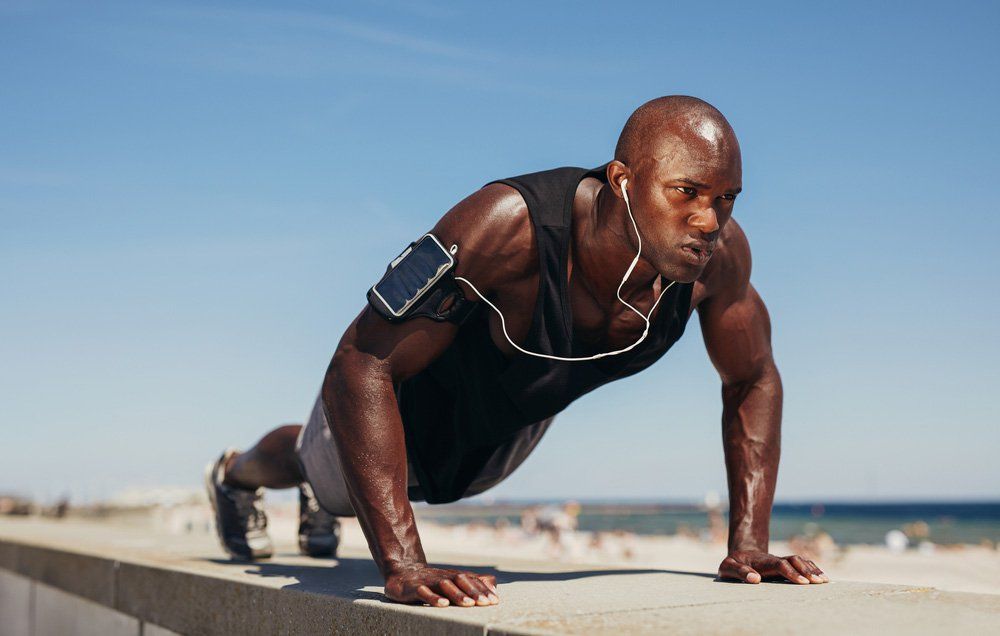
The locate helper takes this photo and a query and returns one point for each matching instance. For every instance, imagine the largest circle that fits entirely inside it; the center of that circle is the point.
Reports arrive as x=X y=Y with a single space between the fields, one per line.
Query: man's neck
x=604 y=244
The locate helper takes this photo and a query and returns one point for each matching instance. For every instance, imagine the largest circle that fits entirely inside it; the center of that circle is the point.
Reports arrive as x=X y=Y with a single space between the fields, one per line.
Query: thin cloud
x=293 y=44
x=430 y=10
x=328 y=23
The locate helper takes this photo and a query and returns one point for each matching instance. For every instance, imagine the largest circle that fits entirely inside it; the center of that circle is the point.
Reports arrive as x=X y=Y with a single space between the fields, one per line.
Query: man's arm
x=359 y=396
x=737 y=332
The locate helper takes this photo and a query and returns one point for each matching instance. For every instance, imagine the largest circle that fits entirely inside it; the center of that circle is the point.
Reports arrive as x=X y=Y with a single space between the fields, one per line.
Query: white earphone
x=645 y=332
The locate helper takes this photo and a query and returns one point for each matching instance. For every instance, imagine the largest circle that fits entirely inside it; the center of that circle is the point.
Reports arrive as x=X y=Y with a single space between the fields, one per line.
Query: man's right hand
x=439 y=588
x=374 y=356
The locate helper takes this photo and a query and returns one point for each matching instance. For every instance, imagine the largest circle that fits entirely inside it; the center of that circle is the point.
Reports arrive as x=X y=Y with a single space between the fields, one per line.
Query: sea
x=846 y=523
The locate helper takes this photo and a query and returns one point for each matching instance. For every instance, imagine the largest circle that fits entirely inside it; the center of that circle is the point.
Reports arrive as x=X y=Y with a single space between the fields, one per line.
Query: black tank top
x=472 y=399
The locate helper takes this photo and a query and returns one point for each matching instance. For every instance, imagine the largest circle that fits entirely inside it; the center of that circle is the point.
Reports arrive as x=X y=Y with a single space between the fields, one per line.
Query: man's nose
x=706 y=221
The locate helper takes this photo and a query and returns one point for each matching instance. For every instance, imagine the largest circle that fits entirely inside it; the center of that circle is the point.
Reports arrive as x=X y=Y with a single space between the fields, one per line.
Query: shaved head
x=679 y=162
x=661 y=122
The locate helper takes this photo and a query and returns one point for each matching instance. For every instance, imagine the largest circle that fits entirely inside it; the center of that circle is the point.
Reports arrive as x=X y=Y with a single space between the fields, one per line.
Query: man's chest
x=597 y=326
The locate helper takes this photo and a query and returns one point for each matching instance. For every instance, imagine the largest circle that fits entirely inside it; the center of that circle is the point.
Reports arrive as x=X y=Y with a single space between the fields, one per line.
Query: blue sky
x=194 y=198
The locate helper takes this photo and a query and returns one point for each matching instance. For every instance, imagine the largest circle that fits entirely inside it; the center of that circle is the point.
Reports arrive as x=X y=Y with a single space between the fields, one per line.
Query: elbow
x=351 y=371
x=763 y=375
x=769 y=377
x=764 y=383
x=348 y=361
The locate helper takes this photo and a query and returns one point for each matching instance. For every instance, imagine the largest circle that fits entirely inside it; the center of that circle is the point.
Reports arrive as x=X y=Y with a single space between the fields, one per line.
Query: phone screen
x=415 y=272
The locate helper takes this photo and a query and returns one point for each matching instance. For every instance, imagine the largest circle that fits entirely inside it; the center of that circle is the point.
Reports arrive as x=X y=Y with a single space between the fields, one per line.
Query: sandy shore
x=960 y=568
x=139 y=577
x=954 y=568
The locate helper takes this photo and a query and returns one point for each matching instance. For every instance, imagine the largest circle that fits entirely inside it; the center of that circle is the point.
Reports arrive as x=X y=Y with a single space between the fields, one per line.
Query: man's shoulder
x=729 y=269
x=493 y=232
x=560 y=173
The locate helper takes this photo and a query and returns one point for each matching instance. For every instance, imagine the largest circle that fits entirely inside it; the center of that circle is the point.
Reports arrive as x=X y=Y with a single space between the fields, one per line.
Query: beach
x=499 y=533
x=132 y=573
x=960 y=567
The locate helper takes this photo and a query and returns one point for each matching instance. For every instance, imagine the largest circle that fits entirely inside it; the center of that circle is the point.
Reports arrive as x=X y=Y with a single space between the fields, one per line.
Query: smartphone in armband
x=409 y=277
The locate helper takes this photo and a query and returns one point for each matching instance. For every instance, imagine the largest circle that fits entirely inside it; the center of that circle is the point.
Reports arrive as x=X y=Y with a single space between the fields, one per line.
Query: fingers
x=815 y=574
x=490 y=582
x=432 y=599
x=785 y=569
x=454 y=594
x=475 y=588
x=441 y=588
x=733 y=569
x=822 y=574
x=804 y=568
x=795 y=568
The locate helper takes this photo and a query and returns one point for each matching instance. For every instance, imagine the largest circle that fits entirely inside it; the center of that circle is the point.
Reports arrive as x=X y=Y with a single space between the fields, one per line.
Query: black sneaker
x=319 y=531
x=239 y=514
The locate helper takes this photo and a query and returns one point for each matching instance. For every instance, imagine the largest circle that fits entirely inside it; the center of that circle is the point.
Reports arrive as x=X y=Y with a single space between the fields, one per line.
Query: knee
x=280 y=441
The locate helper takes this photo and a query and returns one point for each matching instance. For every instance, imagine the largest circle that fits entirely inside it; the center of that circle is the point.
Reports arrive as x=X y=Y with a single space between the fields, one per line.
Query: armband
x=420 y=282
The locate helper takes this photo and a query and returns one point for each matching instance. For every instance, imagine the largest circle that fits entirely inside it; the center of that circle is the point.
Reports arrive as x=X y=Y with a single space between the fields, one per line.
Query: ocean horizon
x=847 y=522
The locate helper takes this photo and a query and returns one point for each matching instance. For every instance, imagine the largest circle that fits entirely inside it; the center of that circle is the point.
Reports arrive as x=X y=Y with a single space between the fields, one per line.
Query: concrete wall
x=78 y=578
x=29 y=608
x=54 y=590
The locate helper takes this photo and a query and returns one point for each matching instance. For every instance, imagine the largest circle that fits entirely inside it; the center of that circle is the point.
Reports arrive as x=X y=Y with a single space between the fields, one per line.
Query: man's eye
x=686 y=190
x=729 y=197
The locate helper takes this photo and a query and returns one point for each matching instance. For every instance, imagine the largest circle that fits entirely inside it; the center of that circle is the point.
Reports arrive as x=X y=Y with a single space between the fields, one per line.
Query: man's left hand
x=752 y=566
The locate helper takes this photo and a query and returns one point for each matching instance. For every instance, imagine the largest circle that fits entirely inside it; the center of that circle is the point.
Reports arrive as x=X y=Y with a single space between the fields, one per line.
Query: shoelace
x=250 y=507
x=315 y=515
x=323 y=518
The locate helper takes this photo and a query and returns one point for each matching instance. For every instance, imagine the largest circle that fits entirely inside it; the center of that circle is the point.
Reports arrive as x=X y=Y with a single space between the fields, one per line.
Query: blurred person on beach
x=814 y=543
x=558 y=524
x=556 y=291
x=716 y=532
x=529 y=520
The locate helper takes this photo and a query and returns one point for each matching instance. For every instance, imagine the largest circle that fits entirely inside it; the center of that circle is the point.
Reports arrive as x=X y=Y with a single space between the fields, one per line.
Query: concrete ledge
x=75 y=577
x=194 y=602
x=17 y=604
x=91 y=577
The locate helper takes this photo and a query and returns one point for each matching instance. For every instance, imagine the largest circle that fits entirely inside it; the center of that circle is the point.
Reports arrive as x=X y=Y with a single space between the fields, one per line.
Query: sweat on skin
x=681 y=161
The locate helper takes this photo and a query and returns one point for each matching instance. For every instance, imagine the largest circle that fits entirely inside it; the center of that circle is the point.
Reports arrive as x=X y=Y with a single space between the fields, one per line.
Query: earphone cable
x=645 y=332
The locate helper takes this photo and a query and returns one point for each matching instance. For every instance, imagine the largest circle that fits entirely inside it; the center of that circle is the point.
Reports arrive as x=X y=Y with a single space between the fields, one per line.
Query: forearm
x=368 y=431
x=751 y=432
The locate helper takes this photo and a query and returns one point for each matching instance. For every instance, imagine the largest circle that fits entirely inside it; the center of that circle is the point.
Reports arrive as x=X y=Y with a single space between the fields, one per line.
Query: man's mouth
x=697 y=254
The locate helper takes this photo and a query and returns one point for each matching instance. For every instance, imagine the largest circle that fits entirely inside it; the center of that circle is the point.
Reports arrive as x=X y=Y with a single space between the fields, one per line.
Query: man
x=443 y=408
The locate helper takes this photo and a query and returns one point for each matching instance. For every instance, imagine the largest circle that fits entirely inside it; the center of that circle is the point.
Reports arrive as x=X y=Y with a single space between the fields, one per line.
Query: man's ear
x=616 y=173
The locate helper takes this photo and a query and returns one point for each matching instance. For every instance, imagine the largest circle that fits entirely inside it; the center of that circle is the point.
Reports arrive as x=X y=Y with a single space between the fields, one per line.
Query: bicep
x=737 y=333
x=400 y=350
x=489 y=228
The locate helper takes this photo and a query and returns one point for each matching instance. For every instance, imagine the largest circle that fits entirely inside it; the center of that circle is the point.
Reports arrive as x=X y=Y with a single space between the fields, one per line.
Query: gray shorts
x=321 y=463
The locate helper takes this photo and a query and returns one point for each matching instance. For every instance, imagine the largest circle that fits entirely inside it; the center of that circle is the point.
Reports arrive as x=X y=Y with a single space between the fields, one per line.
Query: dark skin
x=682 y=184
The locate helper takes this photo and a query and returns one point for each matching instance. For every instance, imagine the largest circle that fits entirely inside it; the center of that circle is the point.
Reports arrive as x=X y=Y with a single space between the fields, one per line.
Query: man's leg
x=271 y=462
x=236 y=483
x=240 y=520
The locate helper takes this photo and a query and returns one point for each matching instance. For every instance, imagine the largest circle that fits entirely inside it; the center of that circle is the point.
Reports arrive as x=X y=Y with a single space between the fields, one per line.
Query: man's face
x=683 y=195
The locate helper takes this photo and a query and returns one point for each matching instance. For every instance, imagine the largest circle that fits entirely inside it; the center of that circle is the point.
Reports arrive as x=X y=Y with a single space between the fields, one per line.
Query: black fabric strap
x=430 y=306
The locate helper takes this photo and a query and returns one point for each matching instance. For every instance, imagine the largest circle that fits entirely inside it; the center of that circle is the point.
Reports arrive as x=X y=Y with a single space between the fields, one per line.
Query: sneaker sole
x=322 y=553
